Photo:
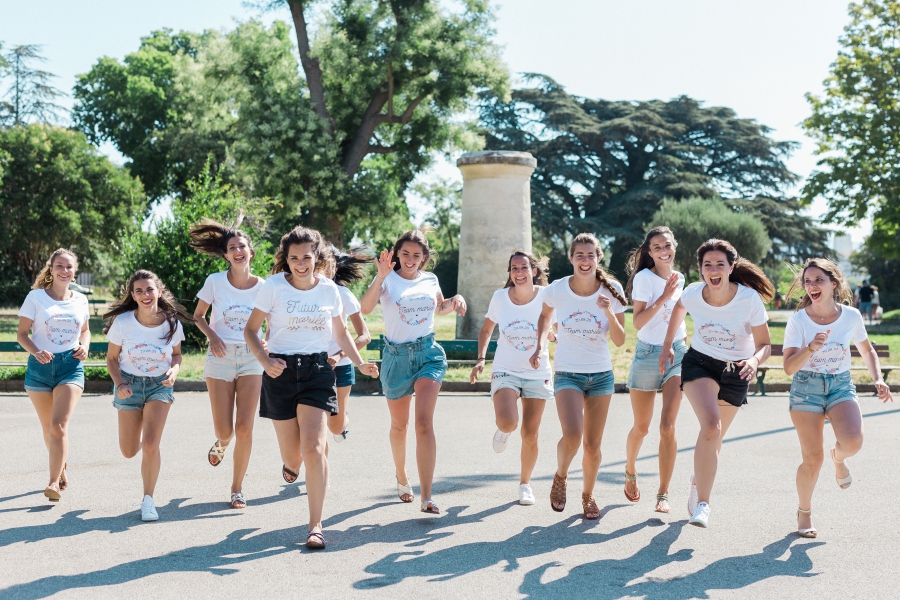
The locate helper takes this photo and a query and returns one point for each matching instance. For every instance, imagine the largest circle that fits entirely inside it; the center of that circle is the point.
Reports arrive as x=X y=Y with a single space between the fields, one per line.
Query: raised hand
x=604 y=303
x=385 y=263
x=819 y=341
x=672 y=285
x=460 y=304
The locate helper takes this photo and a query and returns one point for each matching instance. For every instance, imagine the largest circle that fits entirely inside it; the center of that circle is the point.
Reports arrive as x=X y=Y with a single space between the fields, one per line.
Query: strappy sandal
x=632 y=478
x=428 y=506
x=63 y=483
x=843 y=482
x=558 y=493
x=52 y=494
x=662 y=503
x=809 y=532
x=405 y=490
x=591 y=510
x=216 y=454
x=315 y=540
x=237 y=500
x=289 y=475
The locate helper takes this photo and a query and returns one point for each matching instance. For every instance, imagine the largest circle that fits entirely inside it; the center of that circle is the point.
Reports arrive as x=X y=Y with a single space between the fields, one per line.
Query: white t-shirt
x=581 y=345
x=724 y=332
x=57 y=325
x=834 y=355
x=408 y=306
x=145 y=351
x=299 y=320
x=350 y=307
x=230 y=306
x=647 y=287
x=518 y=335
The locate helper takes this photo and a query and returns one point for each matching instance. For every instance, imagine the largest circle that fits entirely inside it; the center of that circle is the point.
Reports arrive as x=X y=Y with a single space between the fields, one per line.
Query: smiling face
x=146 y=293
x=662 y=250
x=818 y=285
x=301 y=260
x=521 y=272
x=585 y=259
x=63 y=269
x=238 y=252
x=715 y=269
x=411 y=258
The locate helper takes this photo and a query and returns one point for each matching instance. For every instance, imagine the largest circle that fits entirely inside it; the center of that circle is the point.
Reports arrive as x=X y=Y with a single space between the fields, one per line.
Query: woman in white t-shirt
x=817 y=353
x=654 y=287
x=345 y=268
x=53 y=329
x=731 y=340
x=516 y=309
x=590 y=305
x=413 y=362
x=303 y=310
x=143 y=361
x=233 y=375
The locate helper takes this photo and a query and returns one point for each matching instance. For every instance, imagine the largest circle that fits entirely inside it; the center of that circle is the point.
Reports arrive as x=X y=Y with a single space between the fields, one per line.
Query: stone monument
x=496 y=219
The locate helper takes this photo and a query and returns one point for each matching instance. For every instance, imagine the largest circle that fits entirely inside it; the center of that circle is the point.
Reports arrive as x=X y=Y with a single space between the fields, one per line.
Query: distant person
x=865 y=294
x=876 y=303
x=53 y=329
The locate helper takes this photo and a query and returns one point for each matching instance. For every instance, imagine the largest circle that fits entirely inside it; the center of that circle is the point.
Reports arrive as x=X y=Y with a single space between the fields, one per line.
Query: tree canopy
x=28 y=95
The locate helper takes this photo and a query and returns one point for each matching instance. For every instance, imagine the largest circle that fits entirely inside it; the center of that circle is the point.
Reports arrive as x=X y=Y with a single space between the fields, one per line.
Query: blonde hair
x=44 y=279
x=842 y=293
x=605 y=279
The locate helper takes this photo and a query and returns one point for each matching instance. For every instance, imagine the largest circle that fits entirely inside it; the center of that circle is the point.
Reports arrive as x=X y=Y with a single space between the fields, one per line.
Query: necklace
x=826 y=317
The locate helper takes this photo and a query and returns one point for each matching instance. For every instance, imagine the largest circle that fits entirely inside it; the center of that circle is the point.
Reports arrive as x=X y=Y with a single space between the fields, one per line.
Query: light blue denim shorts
x=144 y=389
x=62 y=369
x=589 y=384
x=820 y=392
x=403 y=364
x=525 y=388
x=644 y=374
x=237 y=362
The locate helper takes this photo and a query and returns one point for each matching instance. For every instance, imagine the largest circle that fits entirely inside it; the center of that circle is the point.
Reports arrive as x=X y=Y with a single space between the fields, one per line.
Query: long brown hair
x=166 y=304
x=349 y=266
x=299 y=235
x=743 y=272
x=842 y=293
x=541 y=264
x=605 y=279
x=640 y=258
x=211 y=237
x=416 y=236
x=44 y=278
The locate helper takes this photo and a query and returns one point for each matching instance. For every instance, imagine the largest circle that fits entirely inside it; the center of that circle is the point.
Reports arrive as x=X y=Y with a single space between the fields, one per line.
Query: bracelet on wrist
x=480 y=358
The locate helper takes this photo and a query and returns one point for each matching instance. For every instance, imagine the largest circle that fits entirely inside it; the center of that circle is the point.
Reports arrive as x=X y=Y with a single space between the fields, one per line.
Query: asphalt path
x=484 y=545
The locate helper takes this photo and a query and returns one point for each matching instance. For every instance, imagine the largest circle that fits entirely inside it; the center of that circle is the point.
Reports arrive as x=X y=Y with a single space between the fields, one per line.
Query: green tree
x=695 y=220
x=59 y=191
x=605 y=166
x=28 y=96
x=856 y=123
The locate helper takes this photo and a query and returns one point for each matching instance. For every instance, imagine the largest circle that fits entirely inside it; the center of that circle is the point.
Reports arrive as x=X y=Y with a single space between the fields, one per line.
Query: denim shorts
x=644 y=374
x=820 y=392
x=403 y=364
x=589 y=384
x=726 y=373
x=237 y=362
x=143 y=390
x=344 y=376
x=525 y=388
x=307 y=380
x=62 y=369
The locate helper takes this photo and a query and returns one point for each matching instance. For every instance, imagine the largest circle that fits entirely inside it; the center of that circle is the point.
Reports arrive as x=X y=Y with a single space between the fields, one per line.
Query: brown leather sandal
x=558 y=493
x=63 y=481
x=591 y=510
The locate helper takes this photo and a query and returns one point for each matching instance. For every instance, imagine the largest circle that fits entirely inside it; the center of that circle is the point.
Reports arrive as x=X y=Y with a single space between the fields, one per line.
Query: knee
x=641 y=429
x=57 y=431
x=424 y=427
x=506 y=423
x=571 y=440
x=312 y=449
x=150 y=445
x=813 y=460
x=224 y=433
x=129 y=451
x=710 y=430
x=852 y=444
x=529 y=436
x=399 y=427
x=243 y=430
x=591 y=451
x=667 y=430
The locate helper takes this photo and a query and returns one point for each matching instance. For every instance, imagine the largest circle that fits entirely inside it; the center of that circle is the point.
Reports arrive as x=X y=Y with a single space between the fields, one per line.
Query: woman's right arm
x=385 y=264
x=273 y=366
x=642 y=313
x=543 y=329
x=484 y=338
x=24 y=339
x=216 y=345
x=667 y=355
x=123 y=390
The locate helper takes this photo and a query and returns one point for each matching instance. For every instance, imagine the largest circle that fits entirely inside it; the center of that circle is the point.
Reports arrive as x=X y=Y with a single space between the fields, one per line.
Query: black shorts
x=307 y=380
x=732 y=389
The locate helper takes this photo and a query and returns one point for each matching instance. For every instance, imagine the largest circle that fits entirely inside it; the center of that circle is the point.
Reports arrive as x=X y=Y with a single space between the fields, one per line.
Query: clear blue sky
x=758 y=58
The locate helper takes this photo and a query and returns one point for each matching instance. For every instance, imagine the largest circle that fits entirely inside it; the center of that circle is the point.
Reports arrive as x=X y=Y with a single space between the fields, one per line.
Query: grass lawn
x=445 y=328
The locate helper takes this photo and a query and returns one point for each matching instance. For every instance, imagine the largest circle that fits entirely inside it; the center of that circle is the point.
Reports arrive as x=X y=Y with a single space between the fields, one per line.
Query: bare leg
x=399 y=410
x=532 y=411
x=506 y=410
x=642 y=408
x=570 y=409
x=846 y=421
x=596 y=408
x=427 y=391
x=809 y=427
x=221 y=402
x=155 y=414
x=312 y=424
x=714 y=420
x=247 y=402
x=668 y=444
x=288 y=434
x=54 y=412
x=338 y=423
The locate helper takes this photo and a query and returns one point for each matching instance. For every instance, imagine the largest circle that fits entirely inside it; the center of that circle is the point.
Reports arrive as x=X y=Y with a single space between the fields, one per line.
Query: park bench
x=98 y=347
x=95 y=305
x=456 y=346
x=882 y=350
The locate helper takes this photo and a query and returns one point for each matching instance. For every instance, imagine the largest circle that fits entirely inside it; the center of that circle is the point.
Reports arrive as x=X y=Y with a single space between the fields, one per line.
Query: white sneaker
x=701 y=517
x=148 y=510
x=692 y=497
x=340 y=437
x=526 y=496
x=500 y=440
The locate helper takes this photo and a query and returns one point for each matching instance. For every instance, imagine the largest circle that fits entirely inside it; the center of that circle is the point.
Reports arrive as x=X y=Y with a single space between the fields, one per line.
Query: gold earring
x=48 y=278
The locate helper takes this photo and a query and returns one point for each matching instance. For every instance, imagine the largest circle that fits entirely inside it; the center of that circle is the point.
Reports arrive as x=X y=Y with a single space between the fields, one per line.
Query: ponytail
x=743 y=271
x=211 y=238
x=606 y=280
x=349 y=266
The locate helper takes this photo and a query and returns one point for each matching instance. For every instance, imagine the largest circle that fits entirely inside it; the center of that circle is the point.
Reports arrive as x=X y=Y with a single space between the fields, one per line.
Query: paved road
x=484 y=545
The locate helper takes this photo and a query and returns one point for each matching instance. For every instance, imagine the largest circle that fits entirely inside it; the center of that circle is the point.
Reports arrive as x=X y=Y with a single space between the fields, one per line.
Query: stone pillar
x=496 y=219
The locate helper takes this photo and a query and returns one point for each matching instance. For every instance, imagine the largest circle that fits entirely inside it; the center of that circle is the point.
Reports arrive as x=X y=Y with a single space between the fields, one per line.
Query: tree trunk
x=310 y=65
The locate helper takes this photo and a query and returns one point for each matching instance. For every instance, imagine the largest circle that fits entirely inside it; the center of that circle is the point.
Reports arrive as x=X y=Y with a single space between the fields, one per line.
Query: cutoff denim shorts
x=820 y=392
x=344 y=376
x=644 y=374
x=525 y=388
x=403 y=364
x=62 y=369
x=589 y=384
x=144 y=389
x=237 y=362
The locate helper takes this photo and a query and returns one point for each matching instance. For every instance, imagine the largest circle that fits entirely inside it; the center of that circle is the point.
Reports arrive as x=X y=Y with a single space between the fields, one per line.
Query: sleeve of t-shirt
x=207 y=293
x=351 y=304
x=793 y=335
x=29 y=308
x=493 y=311
x=550 y=295
x=265 y=299
x=337 y=309
x=86 y=307
x=640 y=289
x=114 y=335
x=618 y=307
x=178 y=337
x=859 y=333
x=758 y=315
x=437 y=285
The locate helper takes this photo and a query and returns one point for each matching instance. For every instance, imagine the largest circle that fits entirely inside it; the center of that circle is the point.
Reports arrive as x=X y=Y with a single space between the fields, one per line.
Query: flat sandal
x=589 y=505
x=558 y=493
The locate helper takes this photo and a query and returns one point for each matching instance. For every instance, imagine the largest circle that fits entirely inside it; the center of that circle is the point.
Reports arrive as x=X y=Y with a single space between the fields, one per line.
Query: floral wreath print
x=706 y=328
x=149 y=368
x=522 y=347
x=595 y=318
x=57 y=336
x=822 y=367
x=417 y=320
x=236 y=323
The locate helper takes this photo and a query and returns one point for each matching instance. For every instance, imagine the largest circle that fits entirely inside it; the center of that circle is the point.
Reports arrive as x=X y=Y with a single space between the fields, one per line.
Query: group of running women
x=299 y=373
